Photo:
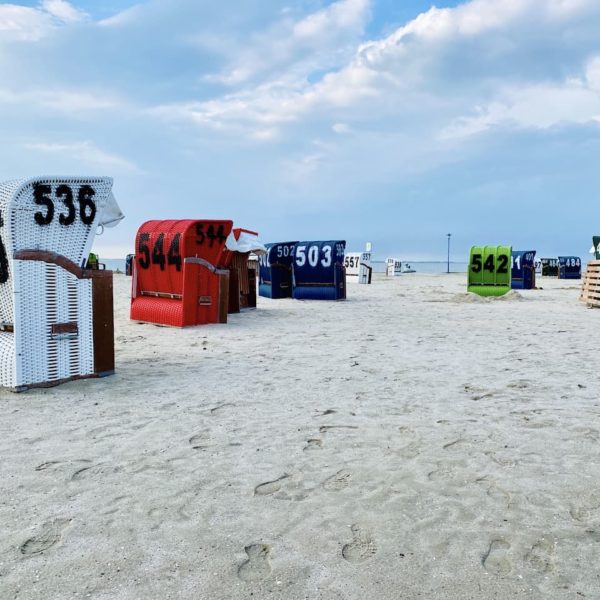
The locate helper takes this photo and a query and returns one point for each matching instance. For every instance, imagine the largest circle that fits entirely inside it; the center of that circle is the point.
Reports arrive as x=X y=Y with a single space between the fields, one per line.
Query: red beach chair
x=175 y=278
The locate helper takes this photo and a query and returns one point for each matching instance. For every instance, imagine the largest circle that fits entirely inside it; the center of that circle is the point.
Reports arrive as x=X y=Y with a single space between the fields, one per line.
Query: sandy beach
x=413 y=441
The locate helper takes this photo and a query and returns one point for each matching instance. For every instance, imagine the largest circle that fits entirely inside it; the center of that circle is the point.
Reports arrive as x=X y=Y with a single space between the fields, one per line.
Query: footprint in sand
x=326 y=428
x=329 y=411
x=410 y=451
x=594 y=534
x=495 y=492
x=338 y=481
x=457 y=444
x=361 y=548
x=128 y=340
x=285 y=487
x=162 y=515
x=496 y=560
x=313 y=444
x=540 y=557
x=520 y=384
x=587 y=508
x=216 y=409
x=93 y=471
x=408 y=433
x=449 y=472
x=257 y=567
x=51 y=464
x=501 y=459
x=201 y=440
x=588 y=432
x=412 y=442
x=118 y=503
x=49 y=535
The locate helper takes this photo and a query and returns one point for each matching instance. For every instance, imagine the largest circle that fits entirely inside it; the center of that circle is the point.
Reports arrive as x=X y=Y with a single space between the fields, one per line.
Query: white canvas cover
x=246 y=242
x=111 y=214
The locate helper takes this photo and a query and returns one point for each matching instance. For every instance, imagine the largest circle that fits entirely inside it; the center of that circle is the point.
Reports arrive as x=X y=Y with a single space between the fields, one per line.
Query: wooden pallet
x=590 y=291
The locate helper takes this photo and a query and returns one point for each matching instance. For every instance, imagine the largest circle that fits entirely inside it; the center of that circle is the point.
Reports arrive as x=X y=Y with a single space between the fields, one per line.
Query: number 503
x=313 y=256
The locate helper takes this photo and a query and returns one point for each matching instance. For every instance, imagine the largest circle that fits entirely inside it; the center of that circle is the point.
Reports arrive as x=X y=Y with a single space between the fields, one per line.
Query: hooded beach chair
x=569 y=267
x=275 y=275
x=523 y=270
x=242 y=271
x=176 y=280
x=318 y=270
x=56 y=317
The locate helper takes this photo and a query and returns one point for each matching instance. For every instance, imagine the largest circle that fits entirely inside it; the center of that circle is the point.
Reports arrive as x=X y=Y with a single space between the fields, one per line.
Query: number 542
x=489 y=265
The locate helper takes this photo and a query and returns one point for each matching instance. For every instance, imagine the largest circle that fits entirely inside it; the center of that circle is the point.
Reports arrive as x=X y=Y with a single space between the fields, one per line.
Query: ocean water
x=436 y=266
x=115 y=264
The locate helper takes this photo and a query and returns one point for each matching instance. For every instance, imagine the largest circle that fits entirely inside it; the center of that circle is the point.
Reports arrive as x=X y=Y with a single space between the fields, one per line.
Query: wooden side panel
x=103 y=323
x=223 y=296
x=252 y=281
x=234 y=291
x=590 y=290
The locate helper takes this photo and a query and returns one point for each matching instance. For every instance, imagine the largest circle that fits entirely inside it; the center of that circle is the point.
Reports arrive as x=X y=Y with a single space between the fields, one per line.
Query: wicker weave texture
x=7 y=359
x=38 y=298
x=60 y=298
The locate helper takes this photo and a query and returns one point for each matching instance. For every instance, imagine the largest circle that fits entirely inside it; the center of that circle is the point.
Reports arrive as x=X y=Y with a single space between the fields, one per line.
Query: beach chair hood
x=112 y=215
x=244 y=240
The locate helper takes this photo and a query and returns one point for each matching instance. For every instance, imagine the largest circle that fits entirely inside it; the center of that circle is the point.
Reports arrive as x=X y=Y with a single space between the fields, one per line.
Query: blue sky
x=383 y=120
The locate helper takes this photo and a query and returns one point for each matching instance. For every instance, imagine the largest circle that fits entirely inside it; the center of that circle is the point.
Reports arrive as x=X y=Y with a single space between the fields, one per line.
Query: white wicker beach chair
x=47 y=321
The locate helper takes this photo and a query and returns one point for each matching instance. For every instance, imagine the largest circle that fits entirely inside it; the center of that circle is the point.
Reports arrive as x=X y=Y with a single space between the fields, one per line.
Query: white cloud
x=66 y=101
x=86 y=152
x=341 y=128
x=401 y=73
x=31 y=24
x=275 y=103
x=592 y=74
x=341 y=15
x=538 y=106
x=23 y=23
x=123 y=18
x=303 y=108
x=63 y=10
x=293 y=49
x=298 y=171
x=74 y=101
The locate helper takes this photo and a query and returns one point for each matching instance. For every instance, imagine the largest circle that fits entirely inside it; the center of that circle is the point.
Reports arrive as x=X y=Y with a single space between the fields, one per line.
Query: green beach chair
x=489 y=270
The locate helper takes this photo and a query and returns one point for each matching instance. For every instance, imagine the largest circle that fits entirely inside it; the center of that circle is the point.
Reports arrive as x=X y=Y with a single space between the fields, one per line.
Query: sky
x=390 y=121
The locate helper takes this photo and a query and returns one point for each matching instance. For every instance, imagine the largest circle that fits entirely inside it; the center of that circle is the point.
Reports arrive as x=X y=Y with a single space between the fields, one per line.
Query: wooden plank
x=223 y=295
x=234 y=291
x=590 y=287
x=103 y=324
x=62 y=328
